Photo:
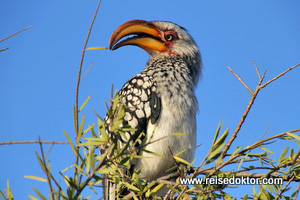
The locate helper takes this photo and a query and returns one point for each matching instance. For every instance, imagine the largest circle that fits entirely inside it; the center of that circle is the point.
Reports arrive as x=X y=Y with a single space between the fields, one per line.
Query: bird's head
x=155 y=37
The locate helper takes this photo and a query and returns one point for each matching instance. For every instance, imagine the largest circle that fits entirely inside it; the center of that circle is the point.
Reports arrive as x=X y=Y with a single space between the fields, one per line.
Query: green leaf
x=177 y=134
x=9 y=193
x=263 y=148
x=92 y=143
x=147 y=188
x=171 y=169
x=2 y=195
x=72 y=145
x=131 y=187
x=240 y=164
x=84 y=103
x=236 y=151
x=95 y=48
x=39 y=194
x=213 y=158
x=283 y=154
x=180 y=152
x=221 y=140
x=67 y=168
x=80 y=129
x=139 y=157
x=217 y=133
x=89 y=129
x=297 y=137
x=80 y=169
x=253 y=190
x=41 y=162
x=245 y=197
x=105 y=170
x=115 y=103
x=182 y=161
x=215 y=151
x=90 y=160
x=116 y=125
x=153 y=153
x=173 y=189
x=257 y=154
x=36 y=178
x=32 y=197
x=120 y=115
x=157 y=188
x=292 y=154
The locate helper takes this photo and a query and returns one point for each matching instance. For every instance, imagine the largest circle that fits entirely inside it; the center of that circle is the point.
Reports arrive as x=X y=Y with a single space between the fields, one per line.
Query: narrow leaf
x=221 y=139
x=216 y=150
x=32 y=197
x=157 y=188
x=177 y=134
x=80 y=129
x=236 y=151
x=297 y=137
x=41 y=162
x=182 y=161
x=39 y=194
x=72 y=145
x=263 y=148
x=283 y=154
x=179 y=153
x=95 y=48
x=217 y=133
x=131 y=187
x=84 y=103
x=36 y=178
x=89 y=129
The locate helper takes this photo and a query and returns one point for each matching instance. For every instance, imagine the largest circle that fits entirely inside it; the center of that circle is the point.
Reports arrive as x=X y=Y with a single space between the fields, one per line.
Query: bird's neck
x=175 y=69
x=176 y=78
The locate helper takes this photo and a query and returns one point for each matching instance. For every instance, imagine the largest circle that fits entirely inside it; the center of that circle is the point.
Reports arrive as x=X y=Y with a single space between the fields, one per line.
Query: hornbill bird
x=161 y=99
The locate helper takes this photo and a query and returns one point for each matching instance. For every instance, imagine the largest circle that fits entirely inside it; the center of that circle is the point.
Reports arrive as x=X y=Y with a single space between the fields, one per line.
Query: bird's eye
x=169 y=37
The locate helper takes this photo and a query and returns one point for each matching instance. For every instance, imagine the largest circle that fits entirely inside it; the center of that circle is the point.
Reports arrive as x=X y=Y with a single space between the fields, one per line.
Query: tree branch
x=251 y=101
x=79 y=78
x=46 y=170
x=33 y=142
x=15 y=33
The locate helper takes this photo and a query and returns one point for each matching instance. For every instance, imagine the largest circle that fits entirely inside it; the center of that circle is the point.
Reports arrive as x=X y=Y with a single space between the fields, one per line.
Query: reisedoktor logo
x=231 y=181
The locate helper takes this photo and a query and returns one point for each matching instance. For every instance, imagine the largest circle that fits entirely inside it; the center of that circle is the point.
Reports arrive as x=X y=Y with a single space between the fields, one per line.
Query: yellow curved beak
x=146 y=36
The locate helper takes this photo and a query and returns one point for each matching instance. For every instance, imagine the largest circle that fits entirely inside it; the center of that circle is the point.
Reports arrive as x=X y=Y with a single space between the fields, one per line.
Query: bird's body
x=161 y=99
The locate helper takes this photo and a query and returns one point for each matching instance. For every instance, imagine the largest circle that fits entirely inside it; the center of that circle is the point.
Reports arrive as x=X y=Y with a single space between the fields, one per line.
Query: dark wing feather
x=142 y=105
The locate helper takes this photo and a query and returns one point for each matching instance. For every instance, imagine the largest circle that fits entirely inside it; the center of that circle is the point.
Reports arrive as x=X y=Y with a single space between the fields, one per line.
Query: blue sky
x=38 y=73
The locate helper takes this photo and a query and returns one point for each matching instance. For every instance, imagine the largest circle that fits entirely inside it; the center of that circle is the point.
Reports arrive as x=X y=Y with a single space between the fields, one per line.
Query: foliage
x=99 y=153
x=115 y=157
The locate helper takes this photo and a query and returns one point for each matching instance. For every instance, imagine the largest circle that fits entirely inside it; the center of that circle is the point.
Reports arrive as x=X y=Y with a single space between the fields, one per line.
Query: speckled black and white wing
x=142 y=106
x=142 y=103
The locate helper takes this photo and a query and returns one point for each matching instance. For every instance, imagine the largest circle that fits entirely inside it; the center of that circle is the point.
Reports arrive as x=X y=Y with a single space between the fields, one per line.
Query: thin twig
x=46 y=169
x=278 y=76
x=79 y=78
x=257 y=70
x=15 y=33
x=3 y=49
x=239 y=126
x=90 y=176
x=33 y=142
x=283 y=164
x=252 y=146
x=251 y=101
x=283 y=190
x=241 y=80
